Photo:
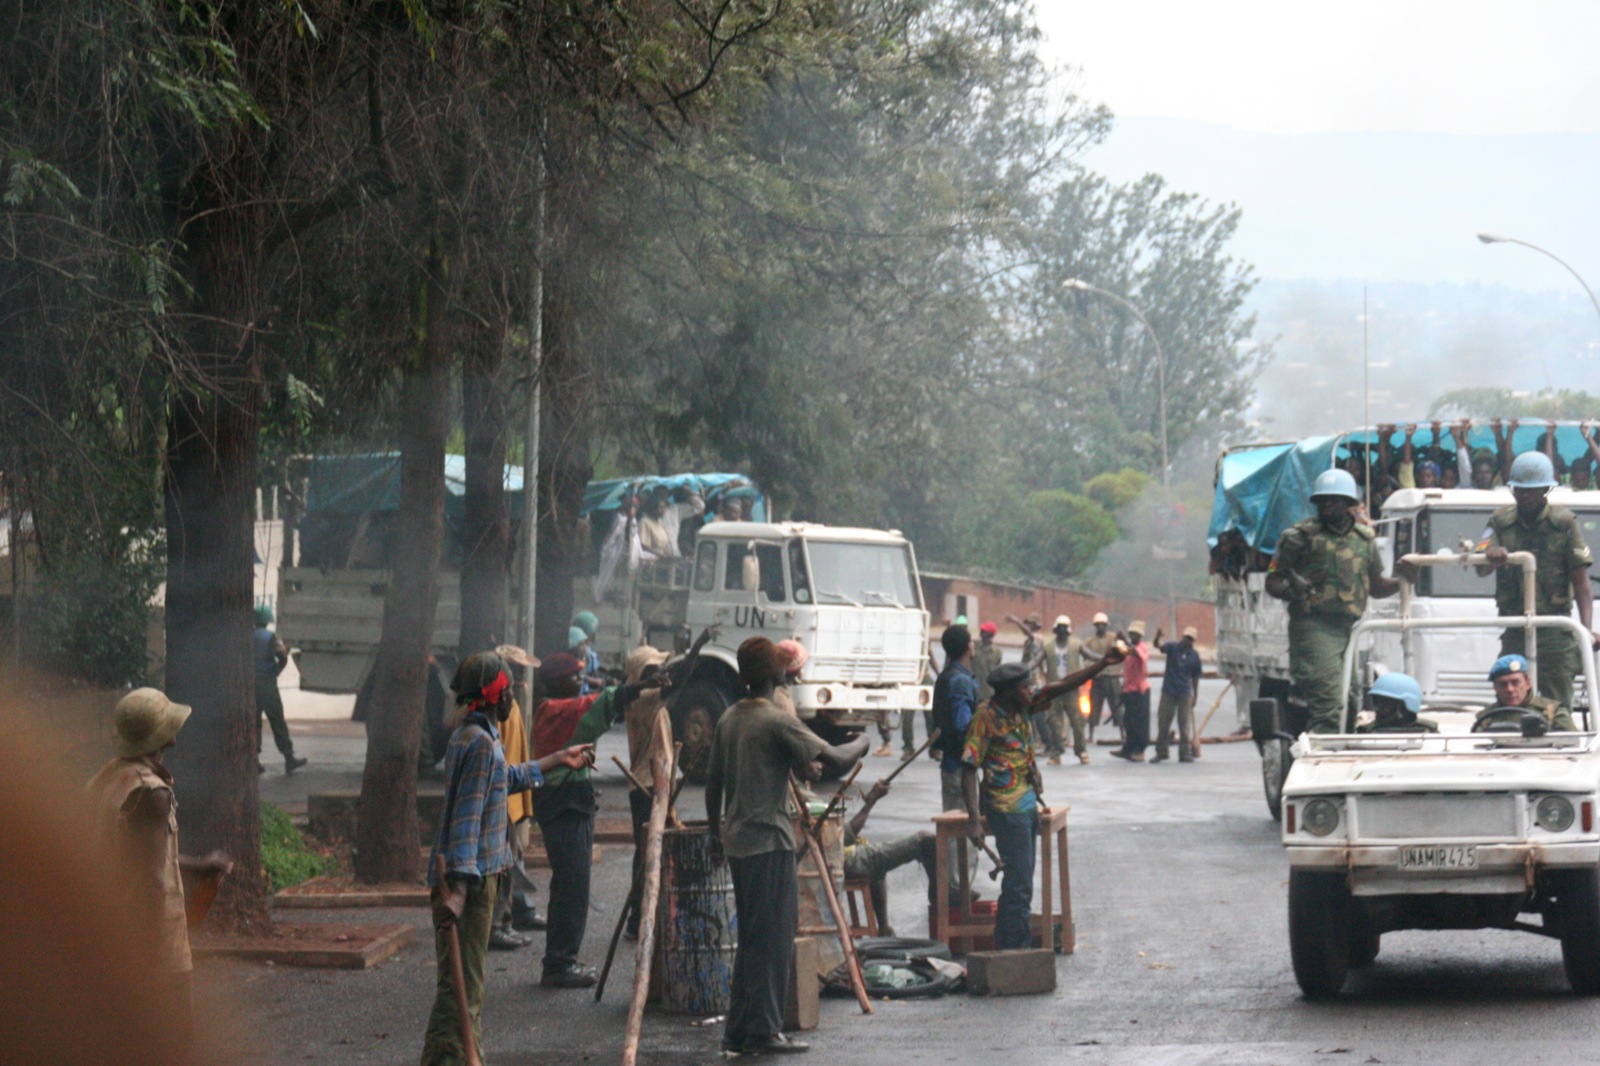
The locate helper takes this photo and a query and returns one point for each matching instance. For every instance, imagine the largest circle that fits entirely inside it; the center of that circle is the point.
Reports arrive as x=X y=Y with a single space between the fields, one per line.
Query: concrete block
x=1011 y=973
x=804 y=1009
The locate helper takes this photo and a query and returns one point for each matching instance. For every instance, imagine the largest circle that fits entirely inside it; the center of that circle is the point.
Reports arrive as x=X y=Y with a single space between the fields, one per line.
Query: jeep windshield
x=862 y=574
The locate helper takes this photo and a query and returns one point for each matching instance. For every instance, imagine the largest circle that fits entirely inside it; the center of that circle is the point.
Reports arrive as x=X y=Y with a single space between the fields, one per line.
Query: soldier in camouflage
x=1561 y=578
x=985 y=659
x=1326 y=568
x=1513 y=696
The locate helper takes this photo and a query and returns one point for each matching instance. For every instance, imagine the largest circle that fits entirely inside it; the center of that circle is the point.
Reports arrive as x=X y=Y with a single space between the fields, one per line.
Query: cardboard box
x=1011 y=973
x=804 y=1008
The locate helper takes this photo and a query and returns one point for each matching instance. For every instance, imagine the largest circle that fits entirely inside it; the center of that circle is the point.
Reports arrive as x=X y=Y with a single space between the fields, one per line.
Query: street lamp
x=1079 y=285
x=1495 y=238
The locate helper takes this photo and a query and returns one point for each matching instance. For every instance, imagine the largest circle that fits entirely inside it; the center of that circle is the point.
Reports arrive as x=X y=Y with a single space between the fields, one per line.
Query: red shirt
x=1136 y=669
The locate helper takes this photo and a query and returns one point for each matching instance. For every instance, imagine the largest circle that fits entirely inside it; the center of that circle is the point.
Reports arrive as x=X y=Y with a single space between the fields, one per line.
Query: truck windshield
x=862 y=574
x=1440 y=529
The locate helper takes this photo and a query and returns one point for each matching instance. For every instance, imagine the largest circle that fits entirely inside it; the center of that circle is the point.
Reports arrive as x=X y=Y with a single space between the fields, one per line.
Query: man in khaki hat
x=515 y=912
x=1178 y=686
x=1135 y=695
x=136 y=826
x=1106 y=688
x=1063 y=657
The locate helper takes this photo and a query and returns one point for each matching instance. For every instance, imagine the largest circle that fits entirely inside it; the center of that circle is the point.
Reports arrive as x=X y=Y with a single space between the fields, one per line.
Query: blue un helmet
x=1335 y=483
x=1532 y=470
x=1402 y=687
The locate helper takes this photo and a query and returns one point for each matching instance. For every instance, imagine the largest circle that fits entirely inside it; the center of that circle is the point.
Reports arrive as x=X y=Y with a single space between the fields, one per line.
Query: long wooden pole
x=662 y=767
x=469 y=1040
x=820 y=860
x=838 y=798
x=898 y=770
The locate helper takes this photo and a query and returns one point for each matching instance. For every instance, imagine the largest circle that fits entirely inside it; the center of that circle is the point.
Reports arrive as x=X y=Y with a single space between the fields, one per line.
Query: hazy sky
x=1280 y=66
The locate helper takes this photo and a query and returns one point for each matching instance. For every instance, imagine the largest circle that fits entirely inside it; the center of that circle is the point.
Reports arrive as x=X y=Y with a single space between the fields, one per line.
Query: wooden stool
x=865 y=921
x=1056 y=885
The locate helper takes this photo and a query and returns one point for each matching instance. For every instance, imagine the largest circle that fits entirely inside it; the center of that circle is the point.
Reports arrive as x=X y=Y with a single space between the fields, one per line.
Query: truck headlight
x=1553 y=813
x=924 y=697
x=1320 y=817
x=824 y=697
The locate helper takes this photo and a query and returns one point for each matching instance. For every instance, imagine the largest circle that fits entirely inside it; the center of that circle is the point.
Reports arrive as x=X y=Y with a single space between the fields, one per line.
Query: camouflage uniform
x=1063 y=711
x=1106 y=688
x=1340 y=568
x=1558 y=545
x=1555 y=713
x=985 y=661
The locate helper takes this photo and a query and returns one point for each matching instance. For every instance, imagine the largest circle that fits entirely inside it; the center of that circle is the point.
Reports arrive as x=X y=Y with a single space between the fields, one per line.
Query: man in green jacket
x=565 y=807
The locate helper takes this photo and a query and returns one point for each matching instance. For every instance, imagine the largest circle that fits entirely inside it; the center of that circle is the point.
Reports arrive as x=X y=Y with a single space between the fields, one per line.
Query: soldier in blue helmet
x=1396 y=699
x=1326 y=568
x=1514 y=697
x=1561 y=580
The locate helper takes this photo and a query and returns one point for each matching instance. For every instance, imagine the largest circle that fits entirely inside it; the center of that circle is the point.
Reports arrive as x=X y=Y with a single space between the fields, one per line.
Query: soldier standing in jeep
x=1326 y=568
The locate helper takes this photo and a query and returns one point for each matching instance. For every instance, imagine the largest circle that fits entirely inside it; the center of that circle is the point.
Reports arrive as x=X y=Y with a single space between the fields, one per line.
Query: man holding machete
x=473 y=844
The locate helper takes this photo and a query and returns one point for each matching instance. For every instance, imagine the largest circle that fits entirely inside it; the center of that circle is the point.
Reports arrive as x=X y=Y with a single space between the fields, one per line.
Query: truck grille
x=1436 y=816
x=863 y=671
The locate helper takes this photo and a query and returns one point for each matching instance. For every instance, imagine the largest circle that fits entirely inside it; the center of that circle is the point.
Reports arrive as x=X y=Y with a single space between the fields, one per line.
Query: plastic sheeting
x=1263 y=491
x=608 y=495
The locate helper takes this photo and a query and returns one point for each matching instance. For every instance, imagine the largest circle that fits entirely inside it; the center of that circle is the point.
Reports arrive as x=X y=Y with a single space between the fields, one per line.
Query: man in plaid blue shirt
x=472 y=842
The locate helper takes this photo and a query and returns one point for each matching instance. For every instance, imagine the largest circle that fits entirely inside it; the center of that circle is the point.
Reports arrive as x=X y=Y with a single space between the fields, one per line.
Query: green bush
x=284 y=854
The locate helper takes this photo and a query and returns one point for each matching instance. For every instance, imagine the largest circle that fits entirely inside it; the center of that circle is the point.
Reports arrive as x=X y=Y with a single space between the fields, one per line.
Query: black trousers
x=270 y=703
x=1135 y=722
x=569 y=842
x=765 y=896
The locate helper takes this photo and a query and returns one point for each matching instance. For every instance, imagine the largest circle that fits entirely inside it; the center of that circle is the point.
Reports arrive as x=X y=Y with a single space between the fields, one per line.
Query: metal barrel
x=696 y=924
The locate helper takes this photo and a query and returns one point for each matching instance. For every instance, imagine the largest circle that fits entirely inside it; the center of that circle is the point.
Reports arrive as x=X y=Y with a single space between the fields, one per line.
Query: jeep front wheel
x=1275 y=763
x=1320 y=922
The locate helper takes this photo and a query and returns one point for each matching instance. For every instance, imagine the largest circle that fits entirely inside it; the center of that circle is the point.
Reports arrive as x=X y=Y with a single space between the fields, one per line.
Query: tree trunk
x=387 y=829
x=210 y=515
x=486 y=526
x=565 y=466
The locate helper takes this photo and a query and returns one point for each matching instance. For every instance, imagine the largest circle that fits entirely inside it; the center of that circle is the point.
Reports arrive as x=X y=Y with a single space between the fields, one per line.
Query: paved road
x=1178 y=889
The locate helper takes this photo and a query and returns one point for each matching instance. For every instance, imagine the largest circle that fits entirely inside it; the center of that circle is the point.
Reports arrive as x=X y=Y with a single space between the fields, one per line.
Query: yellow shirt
x=514 y=739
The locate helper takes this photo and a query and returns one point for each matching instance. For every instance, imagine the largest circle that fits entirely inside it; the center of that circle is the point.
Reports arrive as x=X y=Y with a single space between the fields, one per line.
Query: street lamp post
x=1079 y=285
x=1495 y=238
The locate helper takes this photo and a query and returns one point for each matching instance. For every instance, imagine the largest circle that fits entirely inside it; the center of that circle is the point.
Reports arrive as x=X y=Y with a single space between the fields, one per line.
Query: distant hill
x=1382 y=206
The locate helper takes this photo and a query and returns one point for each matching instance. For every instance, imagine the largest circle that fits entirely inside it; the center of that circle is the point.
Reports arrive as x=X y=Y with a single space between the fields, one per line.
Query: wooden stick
x=833 y=804
x=649 y=894
x=629 y=774
x=820 y=860
x=469 y=1042
x=1201 y=728
x=677 y=786
x=616 y=937
x=898 y=770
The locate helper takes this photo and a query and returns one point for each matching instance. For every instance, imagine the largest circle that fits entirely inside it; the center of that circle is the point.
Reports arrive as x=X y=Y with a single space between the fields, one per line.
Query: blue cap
x=1508 y=664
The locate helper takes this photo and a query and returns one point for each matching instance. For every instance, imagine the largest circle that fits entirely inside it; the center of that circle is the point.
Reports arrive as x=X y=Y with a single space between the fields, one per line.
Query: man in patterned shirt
x=472 y=841
x=1000 y=743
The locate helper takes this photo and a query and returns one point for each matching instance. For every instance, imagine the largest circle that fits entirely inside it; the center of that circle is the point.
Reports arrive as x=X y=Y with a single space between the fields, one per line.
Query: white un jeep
x=1483 y=824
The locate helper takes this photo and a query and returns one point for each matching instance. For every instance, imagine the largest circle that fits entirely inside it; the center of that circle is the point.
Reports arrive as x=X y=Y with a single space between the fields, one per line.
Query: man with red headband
x=565 y=808
x=754 y=750
x=986 y=659
x=473 y=842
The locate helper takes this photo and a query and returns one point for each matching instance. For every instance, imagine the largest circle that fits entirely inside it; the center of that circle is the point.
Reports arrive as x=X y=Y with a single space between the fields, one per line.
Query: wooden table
x=950 y=827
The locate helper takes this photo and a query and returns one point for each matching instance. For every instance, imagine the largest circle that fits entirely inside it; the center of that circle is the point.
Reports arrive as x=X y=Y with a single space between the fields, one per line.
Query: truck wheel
x=694 y=720
x=1364 y=946
x=1275 y=763
x=1578 y=900
x=1320 y=921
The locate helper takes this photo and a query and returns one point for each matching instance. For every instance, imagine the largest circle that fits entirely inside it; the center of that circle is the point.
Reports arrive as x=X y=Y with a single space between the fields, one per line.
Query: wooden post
x=852 y=963
x=662 y=767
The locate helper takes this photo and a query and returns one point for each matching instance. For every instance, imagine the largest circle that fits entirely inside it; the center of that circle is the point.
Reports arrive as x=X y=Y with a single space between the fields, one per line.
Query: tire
x=1275 y=763
x=901 y=948
x=1364 y=946
x=694 y=721
x=1320 y=926
x=1578 y=904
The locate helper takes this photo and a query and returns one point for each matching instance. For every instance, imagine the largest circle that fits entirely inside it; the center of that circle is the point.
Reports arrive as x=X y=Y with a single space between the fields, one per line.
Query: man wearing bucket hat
x=755 y=748
x=1326 y=568
x=1561 y=580
x=514 y=909
x=471 y=843
x=136 y=825
x=1178 y=684
x=1106 y=689
x=1000 y=746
